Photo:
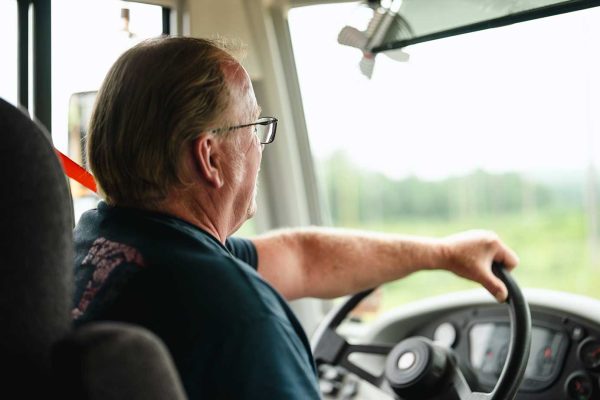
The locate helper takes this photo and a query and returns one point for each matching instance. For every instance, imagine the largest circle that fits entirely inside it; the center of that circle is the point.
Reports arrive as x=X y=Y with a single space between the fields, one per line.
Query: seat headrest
x=36 y=246
x=114 y=361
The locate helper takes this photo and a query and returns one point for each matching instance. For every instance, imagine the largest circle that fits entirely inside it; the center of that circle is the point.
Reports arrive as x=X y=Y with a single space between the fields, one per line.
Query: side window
x=8 y=51
x=87 y=37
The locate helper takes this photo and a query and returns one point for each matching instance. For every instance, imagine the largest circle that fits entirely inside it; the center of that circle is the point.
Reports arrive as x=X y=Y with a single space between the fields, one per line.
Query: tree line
x=357 y=196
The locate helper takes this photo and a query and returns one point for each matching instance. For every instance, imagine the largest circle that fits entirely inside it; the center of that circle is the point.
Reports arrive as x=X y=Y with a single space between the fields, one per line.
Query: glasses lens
x=262 y=132
x=272 y=130
x=266 y=130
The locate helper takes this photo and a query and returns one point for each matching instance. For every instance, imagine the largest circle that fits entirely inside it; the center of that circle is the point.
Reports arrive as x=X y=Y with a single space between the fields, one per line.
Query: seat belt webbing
x=77 y=172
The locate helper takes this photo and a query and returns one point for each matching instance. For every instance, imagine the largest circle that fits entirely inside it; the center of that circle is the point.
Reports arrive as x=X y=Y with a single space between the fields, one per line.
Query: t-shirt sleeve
x=243 y=249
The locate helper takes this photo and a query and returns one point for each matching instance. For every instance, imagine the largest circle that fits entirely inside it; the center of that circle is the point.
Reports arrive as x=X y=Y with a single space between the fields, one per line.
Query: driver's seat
x=42 y=356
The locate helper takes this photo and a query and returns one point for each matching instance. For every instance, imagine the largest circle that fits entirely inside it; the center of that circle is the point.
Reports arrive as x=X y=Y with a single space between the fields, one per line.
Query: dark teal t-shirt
x=231 y=335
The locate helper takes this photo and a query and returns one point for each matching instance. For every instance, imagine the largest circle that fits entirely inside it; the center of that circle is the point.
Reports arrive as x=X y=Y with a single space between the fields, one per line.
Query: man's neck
x=202 y=214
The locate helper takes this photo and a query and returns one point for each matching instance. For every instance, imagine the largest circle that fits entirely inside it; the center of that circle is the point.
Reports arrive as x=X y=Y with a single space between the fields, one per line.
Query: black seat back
x=41 y=356
x=36 y=252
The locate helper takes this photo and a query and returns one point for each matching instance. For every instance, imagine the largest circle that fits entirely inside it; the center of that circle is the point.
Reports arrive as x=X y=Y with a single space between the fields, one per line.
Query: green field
x=553 y=247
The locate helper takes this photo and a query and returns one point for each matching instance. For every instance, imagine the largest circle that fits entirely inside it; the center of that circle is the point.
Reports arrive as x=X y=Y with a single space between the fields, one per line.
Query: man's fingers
x=496 y=287
x=507 y=257
x=471 y=254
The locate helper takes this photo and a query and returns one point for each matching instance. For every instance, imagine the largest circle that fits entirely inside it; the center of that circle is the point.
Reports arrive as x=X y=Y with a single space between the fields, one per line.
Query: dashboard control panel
x=564 y=360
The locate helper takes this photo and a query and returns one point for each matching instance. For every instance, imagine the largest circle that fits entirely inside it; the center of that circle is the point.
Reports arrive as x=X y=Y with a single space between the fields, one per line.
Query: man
x=175 y=144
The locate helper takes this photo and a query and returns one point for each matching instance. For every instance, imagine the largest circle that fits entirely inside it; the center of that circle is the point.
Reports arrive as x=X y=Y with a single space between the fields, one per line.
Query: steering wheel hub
x=416 y=367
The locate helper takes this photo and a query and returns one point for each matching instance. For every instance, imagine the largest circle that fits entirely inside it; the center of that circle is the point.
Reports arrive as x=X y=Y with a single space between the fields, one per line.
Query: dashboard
x=564 y=359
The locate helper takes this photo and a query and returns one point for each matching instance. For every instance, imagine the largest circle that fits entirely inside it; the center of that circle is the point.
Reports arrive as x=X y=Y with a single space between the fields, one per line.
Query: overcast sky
x=524 y=97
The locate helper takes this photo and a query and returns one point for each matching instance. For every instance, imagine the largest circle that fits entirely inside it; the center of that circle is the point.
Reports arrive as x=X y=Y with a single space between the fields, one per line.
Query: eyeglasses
x=264 y=128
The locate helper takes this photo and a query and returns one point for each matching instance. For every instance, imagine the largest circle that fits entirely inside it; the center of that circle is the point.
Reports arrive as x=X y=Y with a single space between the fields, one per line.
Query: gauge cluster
x=564 y=360
x=488 y=346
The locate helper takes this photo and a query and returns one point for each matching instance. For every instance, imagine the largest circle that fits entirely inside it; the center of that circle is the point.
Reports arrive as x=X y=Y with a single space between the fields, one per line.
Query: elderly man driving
x=175 y=144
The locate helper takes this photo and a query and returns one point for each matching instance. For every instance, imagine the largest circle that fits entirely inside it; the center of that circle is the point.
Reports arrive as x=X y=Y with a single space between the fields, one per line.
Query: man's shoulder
x=190 y=276
x=148 y=232
x=115 y=236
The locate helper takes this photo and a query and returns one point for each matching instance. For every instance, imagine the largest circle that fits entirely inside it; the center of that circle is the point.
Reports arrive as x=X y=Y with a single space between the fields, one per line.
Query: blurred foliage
x=544 y=221
x=357 y=196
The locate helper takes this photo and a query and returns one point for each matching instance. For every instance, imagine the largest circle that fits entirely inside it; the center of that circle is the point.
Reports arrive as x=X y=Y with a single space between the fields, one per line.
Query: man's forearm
x=339 y=262
x=327 y=263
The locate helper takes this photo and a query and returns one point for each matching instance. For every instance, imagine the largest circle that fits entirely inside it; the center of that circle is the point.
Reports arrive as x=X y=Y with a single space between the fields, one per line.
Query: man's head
x=151 y=133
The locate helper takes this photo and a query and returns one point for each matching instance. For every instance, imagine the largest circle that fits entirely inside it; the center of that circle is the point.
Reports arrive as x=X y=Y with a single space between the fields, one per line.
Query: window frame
x=42 y=52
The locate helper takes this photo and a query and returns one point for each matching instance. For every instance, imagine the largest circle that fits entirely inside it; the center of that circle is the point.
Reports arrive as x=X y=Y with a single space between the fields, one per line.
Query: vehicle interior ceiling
x=486 y=77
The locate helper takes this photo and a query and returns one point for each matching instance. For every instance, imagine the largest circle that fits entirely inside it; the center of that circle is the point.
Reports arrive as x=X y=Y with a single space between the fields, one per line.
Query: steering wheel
x=417 y=368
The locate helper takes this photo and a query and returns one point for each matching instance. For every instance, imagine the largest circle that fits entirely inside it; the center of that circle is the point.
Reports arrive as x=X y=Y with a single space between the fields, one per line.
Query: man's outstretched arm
x=328 y=263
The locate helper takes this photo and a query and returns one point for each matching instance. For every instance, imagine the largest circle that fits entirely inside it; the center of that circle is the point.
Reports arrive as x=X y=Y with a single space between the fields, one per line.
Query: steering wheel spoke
x=371 y=349
x=333 y=349
x=462 y=388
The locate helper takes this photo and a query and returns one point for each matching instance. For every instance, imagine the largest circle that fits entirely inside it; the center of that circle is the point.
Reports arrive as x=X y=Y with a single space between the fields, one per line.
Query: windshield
x=422 y=18
x=497 y=129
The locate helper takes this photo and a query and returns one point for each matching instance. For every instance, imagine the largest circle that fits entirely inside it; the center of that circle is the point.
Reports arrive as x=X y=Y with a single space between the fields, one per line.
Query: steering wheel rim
x=330 y=348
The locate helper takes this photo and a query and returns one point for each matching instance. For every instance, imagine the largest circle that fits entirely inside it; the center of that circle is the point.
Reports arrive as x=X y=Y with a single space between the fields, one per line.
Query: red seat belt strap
x=77 y=172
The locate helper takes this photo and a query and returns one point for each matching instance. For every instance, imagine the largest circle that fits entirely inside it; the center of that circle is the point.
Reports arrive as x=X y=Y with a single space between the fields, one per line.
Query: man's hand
x=470 y=255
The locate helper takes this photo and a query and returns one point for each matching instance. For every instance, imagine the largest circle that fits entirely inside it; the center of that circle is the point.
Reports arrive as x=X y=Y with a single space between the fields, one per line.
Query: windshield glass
x=424 y=17
x=497 y=129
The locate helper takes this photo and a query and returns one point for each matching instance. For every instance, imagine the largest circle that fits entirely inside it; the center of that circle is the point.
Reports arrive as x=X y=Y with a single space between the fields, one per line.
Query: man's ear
x=206 y=156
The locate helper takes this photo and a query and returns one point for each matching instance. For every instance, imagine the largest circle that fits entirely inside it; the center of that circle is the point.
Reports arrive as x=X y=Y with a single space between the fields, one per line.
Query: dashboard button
x=329 y=388
x=577 y=333
x=579 y=386
x=349 y=390
x=445 y=335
